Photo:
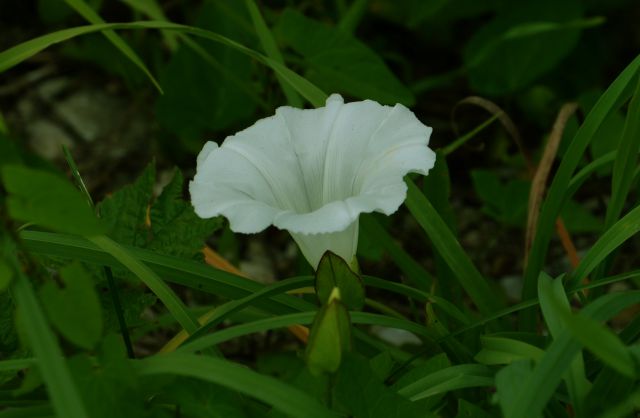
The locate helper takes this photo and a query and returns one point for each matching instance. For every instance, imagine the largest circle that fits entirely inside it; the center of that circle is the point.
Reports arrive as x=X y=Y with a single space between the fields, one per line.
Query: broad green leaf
x=73 y=307
x=91 y=16
x=108 y=379
x=334 y=272
x=49 y=201
x=359 y=390
x=175 y=228
x=508 y=383
x=199 y=98
x=499 y=55
x=281 y=396
x=330 y=337
x=338 y=62
x=125 y=211
x=52 y=365
x=443 y=240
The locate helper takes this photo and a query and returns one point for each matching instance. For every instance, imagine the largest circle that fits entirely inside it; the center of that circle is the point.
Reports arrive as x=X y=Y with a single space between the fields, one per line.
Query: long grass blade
x=91 y=16
x=292 y=401
x=151 y=279
x=449 y=248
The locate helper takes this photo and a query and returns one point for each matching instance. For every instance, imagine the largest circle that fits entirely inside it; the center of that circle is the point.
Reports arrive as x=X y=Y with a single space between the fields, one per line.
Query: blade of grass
x=19 y=53
x=91 y=16
x=537 y=389
x=62 y=390
x=353 y=15
x=626 y=160
x=17 y=364
x=460 y=141
x=303 y=318
x=411 y=268
x=452 y=378
x=292 y=401
x=557 y=192
x=449 y=248
x=113 y=289
x=149 y=278
x=189 y=273
x=271 y=50
x=617 y=234
x=555 y=306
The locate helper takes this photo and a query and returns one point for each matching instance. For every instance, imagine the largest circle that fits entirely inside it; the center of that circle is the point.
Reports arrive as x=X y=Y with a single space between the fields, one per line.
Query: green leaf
x=500 y=350
x=451 y=378
x=468 y=410
x=198 y=97
x=556 y=308
x=338 y=62
x=62 y=390
x=444 y=241
x=334 y=272
x=125 y=211
x=109 y=380
x=362 y=394
x=91 y=16
x=558 y=192
x=285 y=398
x=508 y=384
x=73 y=307
x=625 y=163
x=603 y=343
x=329 y=339
x=49 y=201
x=6 y=276
x=617 y=234
x=499 y=57
x=175 y=228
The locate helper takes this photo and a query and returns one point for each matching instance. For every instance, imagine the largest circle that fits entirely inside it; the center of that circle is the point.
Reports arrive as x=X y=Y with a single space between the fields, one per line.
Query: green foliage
x=73 y=307
x=49 y=201
x=573 y=352
x=173 y=227
x=545 y=29
x=337 y=62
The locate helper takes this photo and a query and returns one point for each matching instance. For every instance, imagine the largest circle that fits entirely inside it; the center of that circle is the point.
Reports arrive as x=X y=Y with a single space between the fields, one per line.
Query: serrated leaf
x=334 y=272
x=176 y=229
x=74 y=309
x=125 y=211
x=48 y=200
x=338 y=62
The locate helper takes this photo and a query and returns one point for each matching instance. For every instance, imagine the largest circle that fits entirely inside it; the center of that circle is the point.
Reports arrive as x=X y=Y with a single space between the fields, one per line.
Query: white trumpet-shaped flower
x=313 y=172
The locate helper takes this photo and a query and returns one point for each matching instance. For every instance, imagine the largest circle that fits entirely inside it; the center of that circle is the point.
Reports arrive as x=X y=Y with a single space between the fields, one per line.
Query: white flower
x=313 y=172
